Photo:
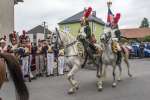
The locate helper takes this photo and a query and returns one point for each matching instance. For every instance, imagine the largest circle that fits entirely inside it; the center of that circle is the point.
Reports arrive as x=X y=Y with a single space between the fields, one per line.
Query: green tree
x=147 y=39
x=144 y=23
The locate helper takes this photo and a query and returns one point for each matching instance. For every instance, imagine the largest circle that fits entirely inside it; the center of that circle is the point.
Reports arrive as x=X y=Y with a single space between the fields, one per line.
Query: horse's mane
x=69 y=35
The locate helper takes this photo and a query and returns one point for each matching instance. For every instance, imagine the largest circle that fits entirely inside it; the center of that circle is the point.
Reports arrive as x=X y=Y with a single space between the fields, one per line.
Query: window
x=34 y=38
x=94 y=27
x=66 y=29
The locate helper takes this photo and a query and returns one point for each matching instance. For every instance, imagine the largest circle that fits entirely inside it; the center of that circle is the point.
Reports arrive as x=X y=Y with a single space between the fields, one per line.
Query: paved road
x=136 y=88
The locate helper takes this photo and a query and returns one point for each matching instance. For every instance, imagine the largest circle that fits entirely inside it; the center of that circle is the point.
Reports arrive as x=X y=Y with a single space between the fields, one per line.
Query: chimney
x=94 y=13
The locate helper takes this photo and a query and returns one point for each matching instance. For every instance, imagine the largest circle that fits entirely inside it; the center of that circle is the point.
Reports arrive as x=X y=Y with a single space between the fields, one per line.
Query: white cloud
x=32 y=12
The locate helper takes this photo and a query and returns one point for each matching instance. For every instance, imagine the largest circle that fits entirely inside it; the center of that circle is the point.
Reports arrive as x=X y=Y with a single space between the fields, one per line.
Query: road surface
x=55 y=88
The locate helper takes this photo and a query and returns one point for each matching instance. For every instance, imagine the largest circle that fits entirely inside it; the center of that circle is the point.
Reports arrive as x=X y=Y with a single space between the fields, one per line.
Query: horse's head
x=61 y=38
x=57 y=38
x=110 y=32
x=106 y=35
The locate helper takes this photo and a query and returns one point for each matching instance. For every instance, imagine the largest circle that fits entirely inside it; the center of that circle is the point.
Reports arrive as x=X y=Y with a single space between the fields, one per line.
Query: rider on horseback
x=85 y=34
x=116 y=36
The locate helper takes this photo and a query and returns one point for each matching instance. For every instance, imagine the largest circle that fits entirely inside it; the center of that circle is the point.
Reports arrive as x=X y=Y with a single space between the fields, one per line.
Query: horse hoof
x=100 y=88
x=114 y=85
x=130 y=75
x=119 y=80
x=71 y=91
x=76 y=85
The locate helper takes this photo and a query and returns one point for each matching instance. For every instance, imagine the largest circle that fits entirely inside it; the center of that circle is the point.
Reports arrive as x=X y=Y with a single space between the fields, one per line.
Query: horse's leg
x=98 y=69
x=101 y=77
x=86 y=58
x=104 y=72
x=127 y=63
x=114 y=75
x=120 y=72
x=74 y=84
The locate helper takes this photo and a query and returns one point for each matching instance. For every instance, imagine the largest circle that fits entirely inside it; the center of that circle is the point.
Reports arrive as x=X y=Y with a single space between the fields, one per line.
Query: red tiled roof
x=135 y=32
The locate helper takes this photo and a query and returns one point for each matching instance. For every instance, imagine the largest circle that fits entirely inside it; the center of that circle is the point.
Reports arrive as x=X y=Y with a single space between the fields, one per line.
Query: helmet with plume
x=86 y=14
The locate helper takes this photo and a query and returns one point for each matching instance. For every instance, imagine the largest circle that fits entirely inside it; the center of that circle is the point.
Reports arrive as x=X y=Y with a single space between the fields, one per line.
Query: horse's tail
x=17 y=76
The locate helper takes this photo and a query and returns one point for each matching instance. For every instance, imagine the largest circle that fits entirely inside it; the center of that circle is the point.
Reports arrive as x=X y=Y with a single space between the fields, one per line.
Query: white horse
x=111 y=58
x=73 y=60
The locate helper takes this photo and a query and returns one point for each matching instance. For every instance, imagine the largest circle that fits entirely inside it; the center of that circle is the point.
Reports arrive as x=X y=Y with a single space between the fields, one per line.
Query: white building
x=7 y=16
x=37 y=33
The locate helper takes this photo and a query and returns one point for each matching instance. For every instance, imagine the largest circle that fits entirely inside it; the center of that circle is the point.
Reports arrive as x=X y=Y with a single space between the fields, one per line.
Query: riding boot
x=119 y=57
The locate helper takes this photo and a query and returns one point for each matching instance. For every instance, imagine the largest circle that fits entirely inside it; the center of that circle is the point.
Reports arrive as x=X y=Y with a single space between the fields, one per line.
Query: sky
x=31 y=13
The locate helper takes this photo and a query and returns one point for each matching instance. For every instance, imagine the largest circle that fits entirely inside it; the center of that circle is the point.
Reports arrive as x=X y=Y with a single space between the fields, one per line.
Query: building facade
x=7 y=16
x=137 y=34
x=72 y=24
x=37 y=33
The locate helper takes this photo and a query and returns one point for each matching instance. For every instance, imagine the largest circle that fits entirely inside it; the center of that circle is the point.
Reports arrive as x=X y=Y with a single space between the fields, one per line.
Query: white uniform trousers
x=30 y=63
x=39 y=64
x=25 y=65
x=50 y=63
x=61 y=63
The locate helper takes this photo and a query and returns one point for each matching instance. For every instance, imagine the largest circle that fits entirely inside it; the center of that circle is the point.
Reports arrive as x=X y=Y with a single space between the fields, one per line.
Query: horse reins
x=71 y=44
x=68 y=45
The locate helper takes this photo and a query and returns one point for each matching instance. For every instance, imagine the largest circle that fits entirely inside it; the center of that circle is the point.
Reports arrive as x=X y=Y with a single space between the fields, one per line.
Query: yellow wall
x=74 y=28
x=97 y=29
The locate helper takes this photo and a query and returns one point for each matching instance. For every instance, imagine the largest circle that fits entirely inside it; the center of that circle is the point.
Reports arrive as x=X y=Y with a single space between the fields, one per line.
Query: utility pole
x=44 y=31
x=57 y=49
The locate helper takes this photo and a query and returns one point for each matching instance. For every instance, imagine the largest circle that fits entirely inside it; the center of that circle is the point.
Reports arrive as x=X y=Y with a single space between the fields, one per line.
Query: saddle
x=92 y=39
x=91 y=43
x=114 y=47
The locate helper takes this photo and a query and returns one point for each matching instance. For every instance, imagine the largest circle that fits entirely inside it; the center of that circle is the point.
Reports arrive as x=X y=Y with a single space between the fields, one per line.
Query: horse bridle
x=58 y=36
x=107 y=37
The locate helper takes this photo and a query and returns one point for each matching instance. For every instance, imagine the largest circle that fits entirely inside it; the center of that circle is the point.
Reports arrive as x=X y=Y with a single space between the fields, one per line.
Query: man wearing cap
x=3 y=49
x=14 y=42
x=61 y=61
x=116 y=34
x=116 y=37
x=85 y=30
x=25 y=56
x=85 y=34
x=3 y=45
x=50 y=60
x=39 y=59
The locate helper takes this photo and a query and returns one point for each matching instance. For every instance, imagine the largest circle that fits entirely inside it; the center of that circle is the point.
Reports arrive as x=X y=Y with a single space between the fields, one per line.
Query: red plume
x=117 y=17
x=87 y=12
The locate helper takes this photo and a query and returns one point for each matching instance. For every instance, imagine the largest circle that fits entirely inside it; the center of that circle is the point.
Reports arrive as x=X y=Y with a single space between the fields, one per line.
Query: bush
x=147 y=39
